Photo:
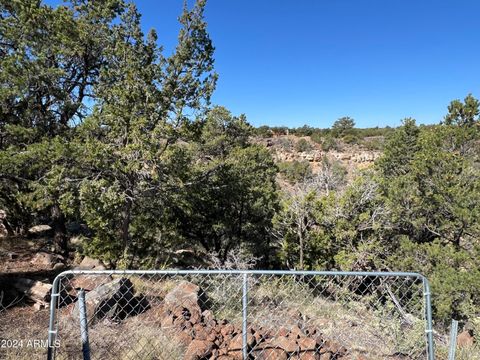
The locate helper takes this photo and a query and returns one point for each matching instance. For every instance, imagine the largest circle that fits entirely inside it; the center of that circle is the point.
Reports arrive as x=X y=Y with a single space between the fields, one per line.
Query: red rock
x=296 y=333
x=235 y=355
x=271 y=354
x=334 y=348
x=465 y=339
x=237 y=342
x=198 y=349
x=187 y=297
x=307 y=343
x=308 y=355
x=207 y=316
x=227 y=329
x=287 y=344
x=282 y=331
x=183 y=338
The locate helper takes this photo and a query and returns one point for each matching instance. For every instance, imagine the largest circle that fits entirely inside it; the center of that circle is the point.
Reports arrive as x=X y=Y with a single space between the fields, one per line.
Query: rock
x=59 y=266
x=237 y=342
x=333 y=347
x=34 y=290
x=43 y=259
x=295 y=332
x=306 y=344
x=282 y=342
x=39 y=230
x=198 y=349
x=89 y=282
x=227 y=329
x=307 y=355
x=108 y=300
x=465 y=339
x=207 y=316
x=183 y=338
x=39 y=306
x=186 y=296
x=271 y=354
x=90 y=264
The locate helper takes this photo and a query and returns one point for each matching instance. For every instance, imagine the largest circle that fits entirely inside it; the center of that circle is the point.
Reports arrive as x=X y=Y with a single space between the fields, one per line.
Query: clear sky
x=295 y=62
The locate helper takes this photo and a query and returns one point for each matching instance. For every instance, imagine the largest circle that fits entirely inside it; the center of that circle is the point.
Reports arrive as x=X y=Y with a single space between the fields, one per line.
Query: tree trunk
x=125 y=235
x=60 y=230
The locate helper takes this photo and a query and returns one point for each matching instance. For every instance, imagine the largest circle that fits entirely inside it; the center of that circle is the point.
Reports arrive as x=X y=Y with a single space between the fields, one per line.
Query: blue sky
x=295 y=62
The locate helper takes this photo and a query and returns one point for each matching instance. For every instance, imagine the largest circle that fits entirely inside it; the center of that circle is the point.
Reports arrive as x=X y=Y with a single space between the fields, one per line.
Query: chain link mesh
x=200 y=315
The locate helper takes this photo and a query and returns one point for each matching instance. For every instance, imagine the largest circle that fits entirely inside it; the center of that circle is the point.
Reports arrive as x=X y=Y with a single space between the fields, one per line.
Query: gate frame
x=55 y=295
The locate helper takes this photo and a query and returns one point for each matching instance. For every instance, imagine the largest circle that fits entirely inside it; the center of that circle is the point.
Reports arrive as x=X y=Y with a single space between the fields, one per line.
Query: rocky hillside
x=289 y=148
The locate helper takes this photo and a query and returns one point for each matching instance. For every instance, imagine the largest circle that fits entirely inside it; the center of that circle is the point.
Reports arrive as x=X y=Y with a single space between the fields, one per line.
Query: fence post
x=54 y=302
x=429 y=327
x=453 y=340
x=244 y=316
x=83 y=325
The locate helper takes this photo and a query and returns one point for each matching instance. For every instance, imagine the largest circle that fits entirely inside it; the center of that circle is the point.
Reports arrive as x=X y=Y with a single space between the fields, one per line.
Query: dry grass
x=24 y=324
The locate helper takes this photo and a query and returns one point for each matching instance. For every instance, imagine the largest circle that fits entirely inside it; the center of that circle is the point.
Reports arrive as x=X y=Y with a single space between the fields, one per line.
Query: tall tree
x=50 y=61
x=135 y=140
x=343 y=126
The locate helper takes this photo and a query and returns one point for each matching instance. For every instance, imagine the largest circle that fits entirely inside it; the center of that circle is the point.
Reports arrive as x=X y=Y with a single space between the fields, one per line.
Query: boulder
x=89 y=282
x=307 y=344
x=270 y=354
x=333 y=347
x=186 y=299
x=34 y=290
x=237 y=342
x=199 y=349
x=110 y=300
x=90 y=264
x=287 y=344
x=40 y=230
x=44 y=259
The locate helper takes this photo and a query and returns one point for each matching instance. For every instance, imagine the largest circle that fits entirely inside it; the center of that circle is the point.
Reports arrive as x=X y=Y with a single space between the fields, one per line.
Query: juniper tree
x=135 y=140
x=50 y=59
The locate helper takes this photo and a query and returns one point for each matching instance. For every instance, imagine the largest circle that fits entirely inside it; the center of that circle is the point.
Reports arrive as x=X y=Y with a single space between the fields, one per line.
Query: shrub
x=295 y=171
x=350 y=139
x=329 y=143
x=303 y=145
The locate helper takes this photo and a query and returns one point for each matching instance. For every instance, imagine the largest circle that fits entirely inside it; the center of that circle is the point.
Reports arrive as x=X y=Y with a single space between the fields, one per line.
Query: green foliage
x=317 y=137
x=295 y=171
x=399 y=150
x=343 y=126
x=302 y=145
x=234 y=205
x=374 y=144
x=329 y=143
x=463 y=114
x=350 y=139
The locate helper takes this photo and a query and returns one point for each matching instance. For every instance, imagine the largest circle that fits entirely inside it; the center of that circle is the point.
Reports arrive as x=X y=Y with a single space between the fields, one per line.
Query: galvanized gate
x=210 y=314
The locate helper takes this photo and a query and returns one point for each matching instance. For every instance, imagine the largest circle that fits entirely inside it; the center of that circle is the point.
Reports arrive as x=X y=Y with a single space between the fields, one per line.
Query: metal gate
x=210 y=314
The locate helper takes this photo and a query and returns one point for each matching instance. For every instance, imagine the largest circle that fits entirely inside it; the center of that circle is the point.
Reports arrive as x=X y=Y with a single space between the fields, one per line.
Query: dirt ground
x=23 y=329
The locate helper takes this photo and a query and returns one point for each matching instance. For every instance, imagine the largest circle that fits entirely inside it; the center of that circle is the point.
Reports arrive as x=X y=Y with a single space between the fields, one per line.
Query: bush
x=303 y=145
x=295 y=171
x=350 y=139
x=316 y=137
x=372 y=144
x=329 y=143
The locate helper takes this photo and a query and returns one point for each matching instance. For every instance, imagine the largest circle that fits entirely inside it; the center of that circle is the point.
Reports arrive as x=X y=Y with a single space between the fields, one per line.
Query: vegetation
x=98 y=127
